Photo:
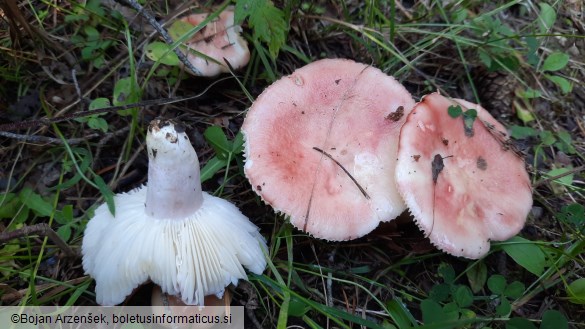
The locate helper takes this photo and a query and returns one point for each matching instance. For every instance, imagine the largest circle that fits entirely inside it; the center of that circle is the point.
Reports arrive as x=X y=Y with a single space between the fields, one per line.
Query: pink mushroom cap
x=481 y=193
x=321 y=147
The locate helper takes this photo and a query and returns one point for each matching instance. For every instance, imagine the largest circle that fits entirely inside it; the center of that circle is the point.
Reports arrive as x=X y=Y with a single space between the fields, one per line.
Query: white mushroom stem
x=174 y=188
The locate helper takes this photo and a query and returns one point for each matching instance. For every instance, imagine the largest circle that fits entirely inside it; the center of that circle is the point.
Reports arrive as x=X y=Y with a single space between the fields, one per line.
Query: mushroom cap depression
x=321 y=147
x=193 y=256
x=462 y=190
x=219 y=39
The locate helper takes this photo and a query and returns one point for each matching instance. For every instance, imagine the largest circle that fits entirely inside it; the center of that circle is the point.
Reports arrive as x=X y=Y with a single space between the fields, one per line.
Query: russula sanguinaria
x=220 y=39
x=188 y=242
x=321 y=144
x=461 y=177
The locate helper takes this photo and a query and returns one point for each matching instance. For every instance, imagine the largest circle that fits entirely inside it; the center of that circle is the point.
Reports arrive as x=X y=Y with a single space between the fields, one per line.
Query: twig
x=39 y=229
x=252 y=316
x=74 y=78
x=344 y=170
x=548 y=179
x=77 y=88
x=161 y=30
x=117 y=174
x=403 y=10
x=251 y=303
x=71 y=141
x=152 y=102
x=107 y=138
x=47 y=121
x=331 y=260
x=18 y=294
x=46 y=140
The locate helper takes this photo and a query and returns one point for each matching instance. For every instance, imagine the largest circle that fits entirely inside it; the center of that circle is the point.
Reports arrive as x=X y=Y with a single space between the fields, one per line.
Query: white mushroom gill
x=190 y=243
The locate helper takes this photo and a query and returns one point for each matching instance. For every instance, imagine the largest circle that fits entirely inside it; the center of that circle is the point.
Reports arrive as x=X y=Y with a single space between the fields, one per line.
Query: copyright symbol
x=15 y=318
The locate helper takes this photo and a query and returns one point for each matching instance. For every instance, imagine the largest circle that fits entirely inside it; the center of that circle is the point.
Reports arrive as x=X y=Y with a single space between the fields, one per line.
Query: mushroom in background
x=460 y=176
x=188 y=242
x=219 y=39
x=321 y=145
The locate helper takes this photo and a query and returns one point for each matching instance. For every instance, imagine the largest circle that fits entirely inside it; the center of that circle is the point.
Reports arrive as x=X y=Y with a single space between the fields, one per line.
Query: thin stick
x=46 y=140
x=76 y=84
x=548 y=179
x=161 y=30
x=39 y=229
x=19 y=294
x=344 y=170
x=147 y=103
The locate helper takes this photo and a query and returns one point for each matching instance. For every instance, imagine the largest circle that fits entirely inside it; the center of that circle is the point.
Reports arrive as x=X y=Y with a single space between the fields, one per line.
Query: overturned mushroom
x=460 y=176
x=321 y=147
x=188 y=242
x=218 y=41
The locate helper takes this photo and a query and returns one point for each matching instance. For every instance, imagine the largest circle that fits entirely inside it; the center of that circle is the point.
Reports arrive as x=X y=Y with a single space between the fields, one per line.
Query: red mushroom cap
x=321 y=147
x=462 y=190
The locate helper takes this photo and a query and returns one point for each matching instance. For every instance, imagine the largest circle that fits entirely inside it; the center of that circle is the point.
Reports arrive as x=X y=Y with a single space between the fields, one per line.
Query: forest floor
x=523 y=61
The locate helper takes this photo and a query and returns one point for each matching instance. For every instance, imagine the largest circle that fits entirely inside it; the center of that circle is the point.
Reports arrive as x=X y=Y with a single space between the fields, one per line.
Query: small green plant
x=450 y=304
x=503 y=292
x=457 y=299
x=561 y=175
x=554 y=61
x=501 y=47
x=127 y=91
x=94 y=121
x=19 y=207
x=525 y=253
x=496 y=51
x=562 y=139
x=225 y=152
x=267 y=21
x=89 y=17
x=94 y=46
x=468 y=116
x=550 y=319
x=161 y=52
x=576 y=291
x=76 y=161
x=573 y=215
